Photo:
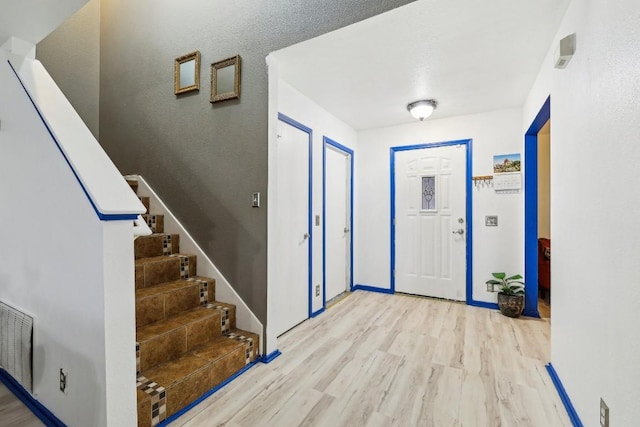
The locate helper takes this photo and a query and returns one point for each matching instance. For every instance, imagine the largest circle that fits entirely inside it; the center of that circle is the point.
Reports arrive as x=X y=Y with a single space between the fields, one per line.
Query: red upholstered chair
x=544 y=266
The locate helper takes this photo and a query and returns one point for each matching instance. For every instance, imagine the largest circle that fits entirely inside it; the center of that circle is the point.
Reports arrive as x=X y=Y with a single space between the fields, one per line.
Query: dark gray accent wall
x=206 y=159
x=71 y=55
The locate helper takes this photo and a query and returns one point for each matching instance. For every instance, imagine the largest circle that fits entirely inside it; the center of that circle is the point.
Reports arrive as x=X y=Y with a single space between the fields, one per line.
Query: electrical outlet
x=604 y=414
x=489 y=287
x=63 y=381
x=317 y=290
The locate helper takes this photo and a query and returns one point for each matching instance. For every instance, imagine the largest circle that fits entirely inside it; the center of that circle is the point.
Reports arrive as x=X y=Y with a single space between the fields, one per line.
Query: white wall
x=295 y=105
x=497 y=132
x=60 y=263
x=595 y=208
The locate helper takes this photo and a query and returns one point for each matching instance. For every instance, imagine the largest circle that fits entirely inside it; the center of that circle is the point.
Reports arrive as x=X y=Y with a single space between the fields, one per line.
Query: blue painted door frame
x=531 y=210
x=309 y=132
x=329 y=142
x=469 y=214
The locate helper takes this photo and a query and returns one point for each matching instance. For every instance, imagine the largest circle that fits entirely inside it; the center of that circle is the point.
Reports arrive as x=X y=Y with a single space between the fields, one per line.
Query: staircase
x=186 y=342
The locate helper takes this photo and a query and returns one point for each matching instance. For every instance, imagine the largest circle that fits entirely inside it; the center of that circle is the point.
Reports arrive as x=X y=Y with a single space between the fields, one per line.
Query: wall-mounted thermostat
x=491 y=221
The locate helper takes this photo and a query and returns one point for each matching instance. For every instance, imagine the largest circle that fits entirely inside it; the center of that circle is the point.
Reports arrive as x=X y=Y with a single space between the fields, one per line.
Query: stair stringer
x=245 y=318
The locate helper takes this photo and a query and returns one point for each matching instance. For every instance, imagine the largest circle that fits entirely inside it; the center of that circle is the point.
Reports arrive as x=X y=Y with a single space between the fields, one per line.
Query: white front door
x=430 y=221
x=292 y=230
x=337 y=221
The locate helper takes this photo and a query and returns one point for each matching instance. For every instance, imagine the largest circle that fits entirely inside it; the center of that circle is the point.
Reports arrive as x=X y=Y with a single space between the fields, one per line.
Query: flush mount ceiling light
x=422 y=109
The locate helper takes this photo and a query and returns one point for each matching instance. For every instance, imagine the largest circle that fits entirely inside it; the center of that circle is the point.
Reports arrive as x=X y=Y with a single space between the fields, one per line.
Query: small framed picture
x=491 y=220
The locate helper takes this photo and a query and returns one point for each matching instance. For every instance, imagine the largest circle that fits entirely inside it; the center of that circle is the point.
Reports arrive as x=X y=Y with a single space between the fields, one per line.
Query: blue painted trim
x=101 y=216
x=319 y=312
x=199 y=400
x=25 y=397
x=483 y=304
x=288 y=120
x=469 y=212
x=268 y=358
x=531 y=210
x=328 y=141
x=571 y=411
x=368 y=288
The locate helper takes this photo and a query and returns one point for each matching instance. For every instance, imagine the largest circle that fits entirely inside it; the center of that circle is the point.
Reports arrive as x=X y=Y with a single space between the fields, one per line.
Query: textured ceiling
x=470 y=56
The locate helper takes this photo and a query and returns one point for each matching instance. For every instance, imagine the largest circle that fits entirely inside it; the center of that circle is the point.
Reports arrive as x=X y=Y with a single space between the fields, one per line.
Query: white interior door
x=338 y=221
x=430 y=230
x=292 y=229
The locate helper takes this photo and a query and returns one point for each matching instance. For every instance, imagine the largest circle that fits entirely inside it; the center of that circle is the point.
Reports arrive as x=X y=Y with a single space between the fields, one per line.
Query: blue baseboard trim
x=531 y=313
x=482 y=304
x=318 y=313
x=372 y=289
x=25 y=397
x=268 y=358
x=571 y=411
x=199 y=400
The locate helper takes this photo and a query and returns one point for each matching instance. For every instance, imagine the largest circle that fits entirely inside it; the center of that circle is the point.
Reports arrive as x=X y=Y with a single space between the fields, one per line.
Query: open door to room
x=544 y=221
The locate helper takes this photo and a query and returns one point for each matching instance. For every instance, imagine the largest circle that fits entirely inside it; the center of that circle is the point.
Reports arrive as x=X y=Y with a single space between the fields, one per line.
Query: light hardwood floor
x=13 y=413
x=395 y=360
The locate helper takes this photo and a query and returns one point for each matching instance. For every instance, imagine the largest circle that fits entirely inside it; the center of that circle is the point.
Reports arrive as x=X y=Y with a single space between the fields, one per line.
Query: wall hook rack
x=484 y=180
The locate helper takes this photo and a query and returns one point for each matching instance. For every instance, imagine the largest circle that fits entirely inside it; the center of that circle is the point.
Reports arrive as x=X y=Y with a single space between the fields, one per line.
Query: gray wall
x=205 y=159
x=71 y=54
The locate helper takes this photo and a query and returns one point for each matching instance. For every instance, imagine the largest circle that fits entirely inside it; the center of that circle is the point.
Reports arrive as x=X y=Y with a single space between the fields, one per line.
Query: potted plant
x=510 y=294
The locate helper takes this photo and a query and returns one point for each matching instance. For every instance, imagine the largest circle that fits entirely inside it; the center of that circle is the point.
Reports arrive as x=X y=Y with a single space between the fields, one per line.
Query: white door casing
x=430 y=221
x=291 y=296
x=337 y=221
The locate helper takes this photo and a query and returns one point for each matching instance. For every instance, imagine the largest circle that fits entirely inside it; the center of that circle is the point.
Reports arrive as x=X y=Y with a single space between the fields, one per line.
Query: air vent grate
x=16 y=336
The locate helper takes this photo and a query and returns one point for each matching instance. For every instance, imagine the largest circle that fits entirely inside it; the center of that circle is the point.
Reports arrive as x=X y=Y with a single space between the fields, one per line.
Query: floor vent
x=16 y=336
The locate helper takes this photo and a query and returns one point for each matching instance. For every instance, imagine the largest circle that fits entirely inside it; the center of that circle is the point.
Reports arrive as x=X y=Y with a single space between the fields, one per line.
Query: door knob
x=306 y=236
x=346 y=230
x=459 y=231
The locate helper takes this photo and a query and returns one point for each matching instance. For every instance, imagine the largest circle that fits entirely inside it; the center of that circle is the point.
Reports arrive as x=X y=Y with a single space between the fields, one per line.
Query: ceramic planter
x=511 y=305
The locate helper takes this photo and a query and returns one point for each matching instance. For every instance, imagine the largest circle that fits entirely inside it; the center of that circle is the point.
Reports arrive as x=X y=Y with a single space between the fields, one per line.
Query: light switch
x=255 y=200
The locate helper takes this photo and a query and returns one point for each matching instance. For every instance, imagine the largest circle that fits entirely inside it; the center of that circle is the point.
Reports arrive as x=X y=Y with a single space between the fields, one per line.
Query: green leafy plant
x=512 y=285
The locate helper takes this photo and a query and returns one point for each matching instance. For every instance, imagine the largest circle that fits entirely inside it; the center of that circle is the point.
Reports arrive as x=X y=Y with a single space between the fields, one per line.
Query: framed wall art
x=186 y=75
x=225 y=79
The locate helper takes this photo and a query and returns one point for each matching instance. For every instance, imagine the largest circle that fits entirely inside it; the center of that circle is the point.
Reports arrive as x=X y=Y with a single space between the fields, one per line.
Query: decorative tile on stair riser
x=155 y=222
x=156 y=245
x=162 y=269
x=191 y=377
x=157 y=400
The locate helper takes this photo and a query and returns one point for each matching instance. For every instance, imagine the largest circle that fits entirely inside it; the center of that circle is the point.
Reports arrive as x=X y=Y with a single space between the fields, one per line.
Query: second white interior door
x=338 y=221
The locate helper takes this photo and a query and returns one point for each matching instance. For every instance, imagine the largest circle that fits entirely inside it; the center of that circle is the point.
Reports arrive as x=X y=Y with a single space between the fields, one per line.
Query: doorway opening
x=531 y=213
x=544 y=221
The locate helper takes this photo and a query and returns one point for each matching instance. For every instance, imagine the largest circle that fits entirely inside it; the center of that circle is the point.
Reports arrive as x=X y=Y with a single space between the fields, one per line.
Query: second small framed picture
x=225 y=79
